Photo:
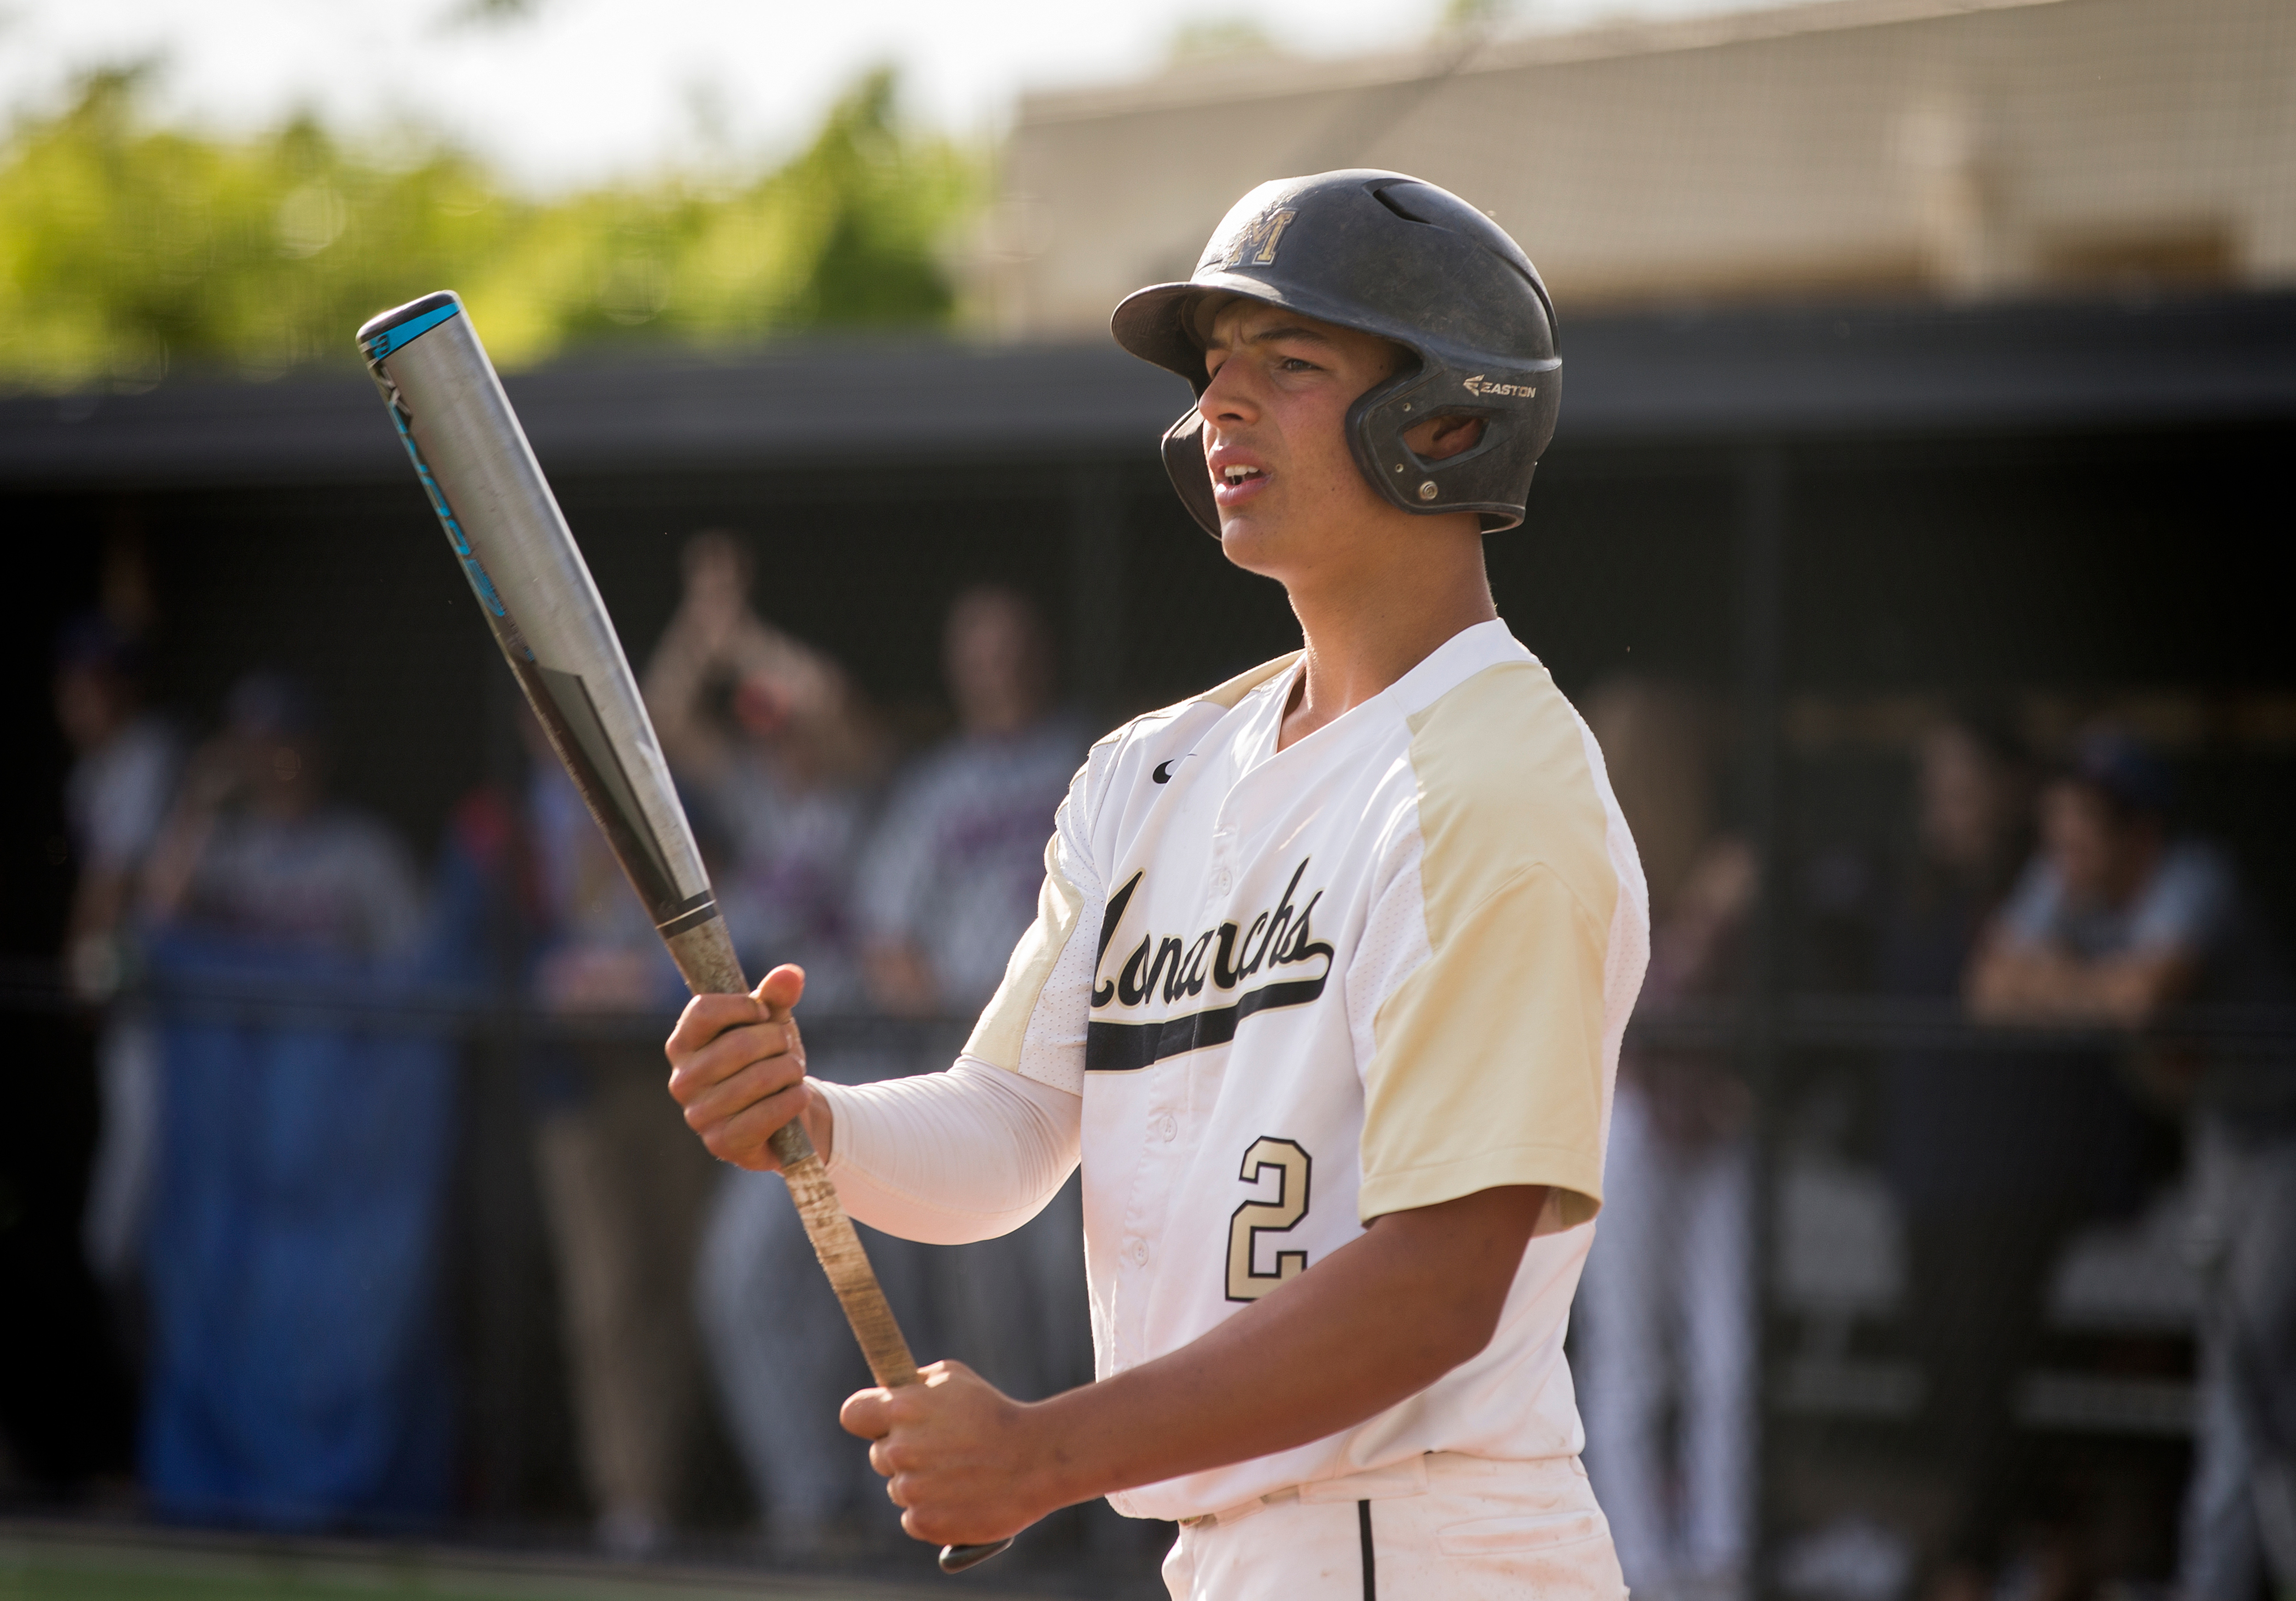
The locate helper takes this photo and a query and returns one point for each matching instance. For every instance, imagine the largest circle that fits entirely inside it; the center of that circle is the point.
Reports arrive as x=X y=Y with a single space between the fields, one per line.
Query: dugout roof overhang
x=1658 y=379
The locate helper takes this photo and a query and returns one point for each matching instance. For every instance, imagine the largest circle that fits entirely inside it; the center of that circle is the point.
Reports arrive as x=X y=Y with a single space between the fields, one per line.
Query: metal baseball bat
x=522 y=563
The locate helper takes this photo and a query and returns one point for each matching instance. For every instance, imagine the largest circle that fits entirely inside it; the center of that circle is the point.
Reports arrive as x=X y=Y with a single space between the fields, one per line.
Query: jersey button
x=1222 y=881
x=1139 y=1253
x=1168 y=1127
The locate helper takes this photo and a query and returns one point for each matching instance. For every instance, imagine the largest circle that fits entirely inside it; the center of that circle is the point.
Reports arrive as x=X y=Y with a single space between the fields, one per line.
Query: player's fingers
x=722 y=1058
x=737 y=1048
x=864 y=1413
x=781 y=988
x=709 y=1105
x=706 y=1017
x=934 y=1525
x=749 y=1128
x=740 y=1135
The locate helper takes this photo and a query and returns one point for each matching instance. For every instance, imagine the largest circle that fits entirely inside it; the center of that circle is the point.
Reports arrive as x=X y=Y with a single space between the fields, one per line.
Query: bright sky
x=581 y=89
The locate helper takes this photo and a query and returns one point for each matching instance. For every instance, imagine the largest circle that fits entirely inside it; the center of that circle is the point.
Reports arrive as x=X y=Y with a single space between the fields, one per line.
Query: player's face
x=1288 y=487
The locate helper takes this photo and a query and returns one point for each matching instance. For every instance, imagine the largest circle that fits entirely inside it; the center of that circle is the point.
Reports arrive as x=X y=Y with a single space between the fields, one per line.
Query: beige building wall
x=1852 y=146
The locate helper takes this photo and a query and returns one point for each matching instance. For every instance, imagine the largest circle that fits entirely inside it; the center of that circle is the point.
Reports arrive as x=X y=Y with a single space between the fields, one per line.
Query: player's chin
x=1254 y=541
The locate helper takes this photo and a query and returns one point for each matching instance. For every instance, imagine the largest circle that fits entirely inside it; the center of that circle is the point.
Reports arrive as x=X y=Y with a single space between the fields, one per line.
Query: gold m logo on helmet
x=1480 y=385
x=1257 y=240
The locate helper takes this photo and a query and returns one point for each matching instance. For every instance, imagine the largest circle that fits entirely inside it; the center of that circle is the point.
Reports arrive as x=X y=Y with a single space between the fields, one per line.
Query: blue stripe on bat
x=399 y=335
x=482 y=583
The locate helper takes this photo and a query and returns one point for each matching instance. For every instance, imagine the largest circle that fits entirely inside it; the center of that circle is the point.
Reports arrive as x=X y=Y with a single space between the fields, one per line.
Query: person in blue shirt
x=2121 y=922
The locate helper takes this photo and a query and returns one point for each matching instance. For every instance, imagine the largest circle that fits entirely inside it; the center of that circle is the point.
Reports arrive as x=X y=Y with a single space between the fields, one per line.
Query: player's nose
x=1228 y=397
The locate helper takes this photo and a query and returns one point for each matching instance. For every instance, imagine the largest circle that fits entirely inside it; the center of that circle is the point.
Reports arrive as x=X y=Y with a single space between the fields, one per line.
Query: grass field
x=65 y=1564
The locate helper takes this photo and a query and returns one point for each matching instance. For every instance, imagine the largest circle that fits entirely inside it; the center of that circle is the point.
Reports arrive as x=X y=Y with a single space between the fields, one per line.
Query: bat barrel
x=511 y=541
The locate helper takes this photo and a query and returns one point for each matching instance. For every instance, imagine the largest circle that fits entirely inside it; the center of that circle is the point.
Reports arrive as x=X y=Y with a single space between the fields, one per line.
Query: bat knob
x=956 y=1559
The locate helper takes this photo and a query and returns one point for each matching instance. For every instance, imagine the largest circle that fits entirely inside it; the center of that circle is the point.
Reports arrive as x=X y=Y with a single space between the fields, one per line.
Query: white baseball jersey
x=1384 y=968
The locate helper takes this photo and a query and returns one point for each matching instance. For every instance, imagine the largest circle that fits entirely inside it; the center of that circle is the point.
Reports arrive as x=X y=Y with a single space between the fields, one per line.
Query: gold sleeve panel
x=1487 y=1066
x=1490 y=1064
x=1004 y=1024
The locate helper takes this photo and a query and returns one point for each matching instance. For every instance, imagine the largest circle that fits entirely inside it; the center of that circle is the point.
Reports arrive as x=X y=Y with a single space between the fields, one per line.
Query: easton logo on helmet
x=1480 y=385
x=1258 y=239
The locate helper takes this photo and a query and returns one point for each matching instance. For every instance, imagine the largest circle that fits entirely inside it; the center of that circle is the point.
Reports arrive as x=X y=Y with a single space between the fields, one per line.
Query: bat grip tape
x=839 y=1247
x=706 y=956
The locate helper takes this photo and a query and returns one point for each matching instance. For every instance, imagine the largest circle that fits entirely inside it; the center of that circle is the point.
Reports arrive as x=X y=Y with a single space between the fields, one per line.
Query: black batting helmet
x=1394 y=257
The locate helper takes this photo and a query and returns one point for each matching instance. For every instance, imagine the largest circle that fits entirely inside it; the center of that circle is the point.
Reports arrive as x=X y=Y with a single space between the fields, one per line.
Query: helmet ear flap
x=1183 y=462
x=1491 y=477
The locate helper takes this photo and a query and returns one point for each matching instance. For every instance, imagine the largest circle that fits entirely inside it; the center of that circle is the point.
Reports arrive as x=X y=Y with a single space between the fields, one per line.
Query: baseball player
x=1325 y=988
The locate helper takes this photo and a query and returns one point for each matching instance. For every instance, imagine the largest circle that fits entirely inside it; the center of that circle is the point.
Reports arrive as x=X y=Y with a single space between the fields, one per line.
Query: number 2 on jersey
x=1290 y=1164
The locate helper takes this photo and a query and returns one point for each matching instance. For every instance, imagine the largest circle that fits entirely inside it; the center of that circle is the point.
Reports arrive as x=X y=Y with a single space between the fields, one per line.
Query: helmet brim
x=1153 y=324
x=1163 y=324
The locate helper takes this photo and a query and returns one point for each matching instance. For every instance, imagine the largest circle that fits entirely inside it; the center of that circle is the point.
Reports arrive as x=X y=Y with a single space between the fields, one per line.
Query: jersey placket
x=1160 y=1116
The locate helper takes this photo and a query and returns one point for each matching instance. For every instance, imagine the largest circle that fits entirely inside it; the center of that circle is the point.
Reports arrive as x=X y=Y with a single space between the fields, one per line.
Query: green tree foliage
x=127 y=251
x=1217 y=38
x=1472 y=16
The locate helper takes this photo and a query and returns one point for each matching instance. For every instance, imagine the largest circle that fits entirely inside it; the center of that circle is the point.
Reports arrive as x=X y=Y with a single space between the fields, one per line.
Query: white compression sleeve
x=951 y=1157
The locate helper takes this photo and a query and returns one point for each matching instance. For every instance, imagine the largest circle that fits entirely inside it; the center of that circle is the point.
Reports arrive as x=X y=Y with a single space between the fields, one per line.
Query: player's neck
x=1366 y=629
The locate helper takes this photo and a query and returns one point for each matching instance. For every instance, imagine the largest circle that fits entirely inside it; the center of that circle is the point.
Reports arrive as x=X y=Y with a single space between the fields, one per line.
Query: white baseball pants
x=1442 y=1527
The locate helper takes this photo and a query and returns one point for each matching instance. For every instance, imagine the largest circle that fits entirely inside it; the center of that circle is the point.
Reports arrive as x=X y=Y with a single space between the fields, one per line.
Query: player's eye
x=1296 y=363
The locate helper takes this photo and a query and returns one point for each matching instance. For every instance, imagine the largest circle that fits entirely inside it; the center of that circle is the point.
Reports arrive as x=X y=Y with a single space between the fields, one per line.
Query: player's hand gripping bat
x=522 y=563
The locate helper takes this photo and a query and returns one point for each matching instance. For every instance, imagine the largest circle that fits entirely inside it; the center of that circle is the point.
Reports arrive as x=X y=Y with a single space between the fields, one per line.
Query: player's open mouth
x=1237 y=482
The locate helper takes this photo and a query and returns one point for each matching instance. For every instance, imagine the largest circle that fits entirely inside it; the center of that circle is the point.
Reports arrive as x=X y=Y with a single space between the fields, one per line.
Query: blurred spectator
x=950 y=879
x=297 y=1377
x=948 y=886
x=2114 y=921
x=787 y=775
x=1667 y=1309
x=122 y=777
x=1985 y=1147
x=624 y=1184
x=2117 y=921
x=254 y=847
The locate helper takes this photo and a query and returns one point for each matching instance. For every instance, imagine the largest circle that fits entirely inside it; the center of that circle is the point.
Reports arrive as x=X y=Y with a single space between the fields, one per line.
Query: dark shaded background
x=2057 y=565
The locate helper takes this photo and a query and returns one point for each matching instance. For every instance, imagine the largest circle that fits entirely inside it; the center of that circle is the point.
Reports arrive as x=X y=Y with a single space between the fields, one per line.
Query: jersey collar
x=1444 y=669
x=1452 y=664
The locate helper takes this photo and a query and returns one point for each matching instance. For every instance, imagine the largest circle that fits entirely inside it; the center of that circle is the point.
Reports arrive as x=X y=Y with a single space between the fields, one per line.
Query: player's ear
x=1438 y=438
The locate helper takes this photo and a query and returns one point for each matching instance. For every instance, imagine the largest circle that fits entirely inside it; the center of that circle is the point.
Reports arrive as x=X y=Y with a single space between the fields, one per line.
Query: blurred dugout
x=1758 y=503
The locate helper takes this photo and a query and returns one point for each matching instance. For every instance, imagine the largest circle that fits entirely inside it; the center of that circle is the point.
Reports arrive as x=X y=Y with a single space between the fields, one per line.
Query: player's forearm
x=1375 y=1323
x=947 y=1158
